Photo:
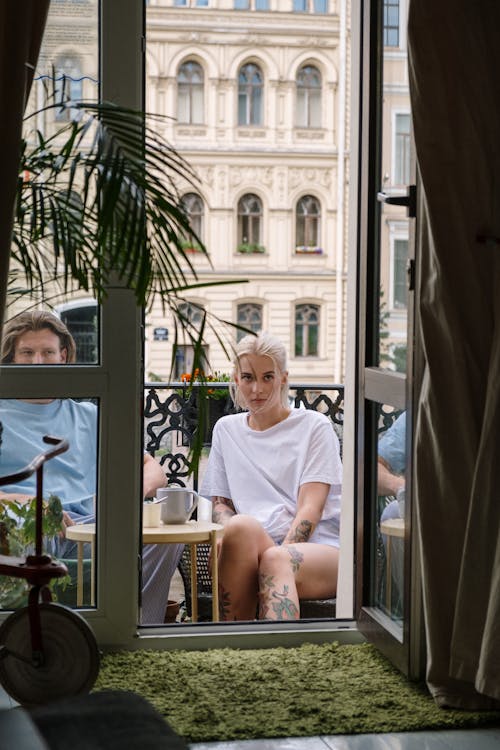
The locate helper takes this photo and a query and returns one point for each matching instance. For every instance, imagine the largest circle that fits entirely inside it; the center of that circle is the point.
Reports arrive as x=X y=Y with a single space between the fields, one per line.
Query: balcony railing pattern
x=172 y=417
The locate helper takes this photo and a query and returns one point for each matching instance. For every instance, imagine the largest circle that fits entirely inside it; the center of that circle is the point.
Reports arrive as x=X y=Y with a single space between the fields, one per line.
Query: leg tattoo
x=224 y=603
x=278 y=602
x=296 y=558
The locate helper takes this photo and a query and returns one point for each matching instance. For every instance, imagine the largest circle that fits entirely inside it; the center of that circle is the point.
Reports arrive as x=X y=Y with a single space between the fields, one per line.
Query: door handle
x=409 y=200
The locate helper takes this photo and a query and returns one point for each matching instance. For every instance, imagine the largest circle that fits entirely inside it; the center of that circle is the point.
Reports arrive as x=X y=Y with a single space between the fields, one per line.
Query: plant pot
x=171 y=611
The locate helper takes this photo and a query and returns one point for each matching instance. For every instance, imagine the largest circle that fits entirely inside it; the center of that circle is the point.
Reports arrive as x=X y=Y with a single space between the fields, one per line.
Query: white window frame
x=396 y=112
x=118 y=380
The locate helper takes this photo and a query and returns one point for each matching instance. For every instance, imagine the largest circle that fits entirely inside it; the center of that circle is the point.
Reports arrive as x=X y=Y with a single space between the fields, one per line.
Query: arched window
x=68 y=85
x=190 y=93
x=308 y=112
x=249 y=315
x=250 y=95
x=192 y=315
x=306 y=330
x=308 y=224
x=249 y=223
x=193 y=205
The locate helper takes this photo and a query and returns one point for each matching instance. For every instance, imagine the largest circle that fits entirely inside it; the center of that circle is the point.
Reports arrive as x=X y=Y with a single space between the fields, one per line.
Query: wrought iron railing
x=172 y=419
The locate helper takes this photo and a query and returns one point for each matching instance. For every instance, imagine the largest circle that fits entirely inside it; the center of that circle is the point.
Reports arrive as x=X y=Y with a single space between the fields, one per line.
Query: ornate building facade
x=258 y=99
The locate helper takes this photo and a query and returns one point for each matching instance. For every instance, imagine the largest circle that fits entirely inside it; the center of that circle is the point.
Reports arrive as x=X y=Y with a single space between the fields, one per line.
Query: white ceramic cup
x=177 y=504
x=151 y=514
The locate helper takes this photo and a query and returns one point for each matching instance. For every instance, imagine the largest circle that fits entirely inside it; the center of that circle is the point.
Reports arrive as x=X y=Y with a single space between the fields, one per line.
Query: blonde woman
x=274 y=476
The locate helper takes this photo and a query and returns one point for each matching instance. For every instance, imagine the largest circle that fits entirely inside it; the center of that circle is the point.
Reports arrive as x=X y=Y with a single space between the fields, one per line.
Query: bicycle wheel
x=71 y=656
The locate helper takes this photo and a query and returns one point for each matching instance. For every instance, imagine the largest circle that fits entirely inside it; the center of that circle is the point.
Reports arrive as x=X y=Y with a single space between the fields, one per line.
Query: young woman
x=274 y=475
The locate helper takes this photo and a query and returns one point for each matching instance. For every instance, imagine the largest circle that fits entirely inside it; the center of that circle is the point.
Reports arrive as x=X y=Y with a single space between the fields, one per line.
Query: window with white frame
x=251 y=4
x=193 y=206
x=310 y=6
x=249 y=223
x=402 y=127
x=192 y=314
x=306 y=330
x=307 y=224
x=190 y=85
x=69 y=85
x=191 y=3
x=308 y=83
x=250 y=89
x=399 y=280
x=249 y=315
x=391 y=23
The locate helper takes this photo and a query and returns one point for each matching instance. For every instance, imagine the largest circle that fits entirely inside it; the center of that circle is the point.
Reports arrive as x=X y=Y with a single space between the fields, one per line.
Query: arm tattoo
x=222 y=510
x=301 y=533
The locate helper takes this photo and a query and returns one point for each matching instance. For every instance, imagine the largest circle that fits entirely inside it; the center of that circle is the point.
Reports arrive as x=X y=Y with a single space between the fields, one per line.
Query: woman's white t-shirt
x=261 y=471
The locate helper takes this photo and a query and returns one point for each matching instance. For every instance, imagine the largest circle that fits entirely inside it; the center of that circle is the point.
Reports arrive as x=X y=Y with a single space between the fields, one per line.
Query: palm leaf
x=102 y=196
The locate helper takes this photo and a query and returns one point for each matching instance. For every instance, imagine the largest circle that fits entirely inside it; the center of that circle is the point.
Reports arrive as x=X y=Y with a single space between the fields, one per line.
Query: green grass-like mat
x=228 y=694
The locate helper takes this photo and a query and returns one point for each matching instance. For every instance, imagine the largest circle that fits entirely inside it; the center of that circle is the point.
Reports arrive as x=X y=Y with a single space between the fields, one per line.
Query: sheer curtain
x=454 y=57
x=21 y=31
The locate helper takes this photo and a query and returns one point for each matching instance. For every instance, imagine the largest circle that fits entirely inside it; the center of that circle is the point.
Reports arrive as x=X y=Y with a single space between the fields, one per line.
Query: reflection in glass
x=69 y=487
x=63 y=76
x=388 y=513
x=393 y=180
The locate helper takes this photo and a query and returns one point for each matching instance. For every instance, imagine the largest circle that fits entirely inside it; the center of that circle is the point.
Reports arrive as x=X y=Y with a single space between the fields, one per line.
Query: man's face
x=39 y=348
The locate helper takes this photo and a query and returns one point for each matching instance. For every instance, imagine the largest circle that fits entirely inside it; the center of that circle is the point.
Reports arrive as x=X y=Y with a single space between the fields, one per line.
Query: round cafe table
x=191 y=533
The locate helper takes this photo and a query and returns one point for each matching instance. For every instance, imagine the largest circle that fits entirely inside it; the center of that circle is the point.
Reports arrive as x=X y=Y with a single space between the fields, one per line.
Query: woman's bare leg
x=294 y=571
x=242 y=546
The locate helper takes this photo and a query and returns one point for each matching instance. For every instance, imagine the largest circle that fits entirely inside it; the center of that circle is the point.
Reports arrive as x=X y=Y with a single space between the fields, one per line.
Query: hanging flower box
x=308 y=250
x=249 y=248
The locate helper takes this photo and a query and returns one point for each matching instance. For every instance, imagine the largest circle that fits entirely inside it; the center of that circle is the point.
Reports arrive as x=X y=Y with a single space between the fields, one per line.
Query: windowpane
x=250 y=316
x=387 y=542
x=400 y=289
x=190 y=93
x=402 y=150
x=308 y=218
x=241 y=4
x=193 y=206
x=306 y=330
x=249 y=220
x=308 y=97
x=321 y=6
x=250 y=95
x=391 y=23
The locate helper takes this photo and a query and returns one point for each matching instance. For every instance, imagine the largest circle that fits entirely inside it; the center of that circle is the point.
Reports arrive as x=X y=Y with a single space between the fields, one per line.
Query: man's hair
x=263 y=344
x=32 y=321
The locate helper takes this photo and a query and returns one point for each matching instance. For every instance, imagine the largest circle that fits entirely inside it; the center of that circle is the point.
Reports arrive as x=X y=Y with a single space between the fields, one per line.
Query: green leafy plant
x=98 y=204
x=17 y=538
x=205 y=381
x=245 y=247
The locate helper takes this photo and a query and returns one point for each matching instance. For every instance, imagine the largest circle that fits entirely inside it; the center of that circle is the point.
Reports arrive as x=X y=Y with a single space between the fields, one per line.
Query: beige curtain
x=454 y=55
x=22 y=23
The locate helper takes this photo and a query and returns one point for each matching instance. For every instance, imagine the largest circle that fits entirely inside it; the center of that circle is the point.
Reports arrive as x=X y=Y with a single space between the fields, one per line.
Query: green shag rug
x=228 y=694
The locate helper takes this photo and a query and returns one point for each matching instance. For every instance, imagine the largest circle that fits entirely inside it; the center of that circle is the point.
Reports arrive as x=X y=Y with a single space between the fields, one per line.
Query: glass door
x=386 y=612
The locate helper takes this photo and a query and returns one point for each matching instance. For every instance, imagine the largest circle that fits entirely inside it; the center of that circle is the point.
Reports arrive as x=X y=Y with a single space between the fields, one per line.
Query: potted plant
x=17 y=537
x=209 y=402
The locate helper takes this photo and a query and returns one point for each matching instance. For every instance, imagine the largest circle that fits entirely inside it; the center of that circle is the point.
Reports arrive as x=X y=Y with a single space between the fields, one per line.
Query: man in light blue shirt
x=38 y=338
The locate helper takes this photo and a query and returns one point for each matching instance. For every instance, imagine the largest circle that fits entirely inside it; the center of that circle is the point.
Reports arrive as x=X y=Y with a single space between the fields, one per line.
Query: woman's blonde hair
x=262 y=344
